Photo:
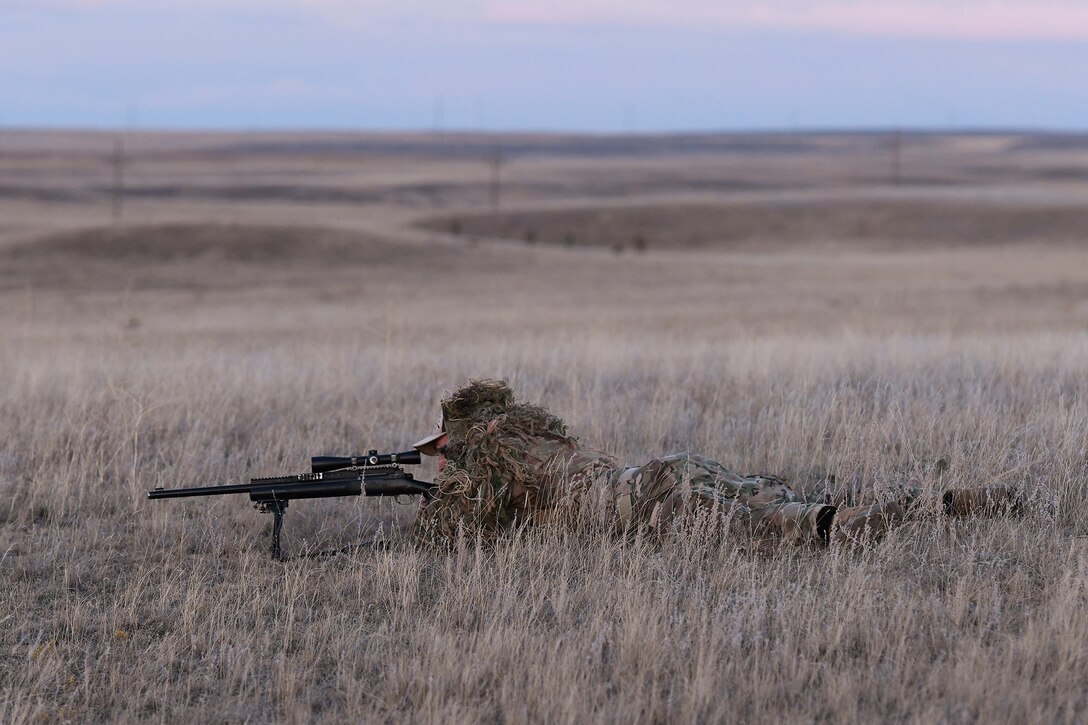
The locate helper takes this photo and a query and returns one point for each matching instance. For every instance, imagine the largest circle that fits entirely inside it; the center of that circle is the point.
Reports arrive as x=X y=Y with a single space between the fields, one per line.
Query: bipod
x=277 y=508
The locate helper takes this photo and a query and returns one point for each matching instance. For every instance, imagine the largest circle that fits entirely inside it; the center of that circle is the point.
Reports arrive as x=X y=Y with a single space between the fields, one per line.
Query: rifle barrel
x=200 y=491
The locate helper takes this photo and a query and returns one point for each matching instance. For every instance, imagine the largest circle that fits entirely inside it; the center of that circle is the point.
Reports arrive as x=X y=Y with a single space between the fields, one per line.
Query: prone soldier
x=503 y=461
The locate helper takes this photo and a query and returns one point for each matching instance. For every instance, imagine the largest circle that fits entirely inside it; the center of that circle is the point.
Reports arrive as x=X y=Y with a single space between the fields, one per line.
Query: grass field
x=799 y=309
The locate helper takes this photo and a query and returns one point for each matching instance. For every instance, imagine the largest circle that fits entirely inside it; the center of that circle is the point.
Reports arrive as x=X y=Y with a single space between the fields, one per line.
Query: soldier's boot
x=985 y=500
x=862 y=524
x=824 y=521
x=798 y=521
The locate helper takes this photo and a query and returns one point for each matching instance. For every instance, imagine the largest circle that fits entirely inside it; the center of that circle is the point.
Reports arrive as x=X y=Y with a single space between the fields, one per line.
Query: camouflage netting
x=487 y=460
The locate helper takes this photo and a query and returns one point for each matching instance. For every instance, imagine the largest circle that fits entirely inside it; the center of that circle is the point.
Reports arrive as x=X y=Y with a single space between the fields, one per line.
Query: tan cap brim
x=429 y=446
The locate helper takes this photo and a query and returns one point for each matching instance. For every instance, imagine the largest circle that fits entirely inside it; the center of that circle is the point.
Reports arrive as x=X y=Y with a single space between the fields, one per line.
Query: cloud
x=964 y=19
x=961 y=19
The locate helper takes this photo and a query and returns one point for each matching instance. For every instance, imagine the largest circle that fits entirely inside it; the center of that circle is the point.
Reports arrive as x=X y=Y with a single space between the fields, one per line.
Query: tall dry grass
x=117 y=608
x=175 y=351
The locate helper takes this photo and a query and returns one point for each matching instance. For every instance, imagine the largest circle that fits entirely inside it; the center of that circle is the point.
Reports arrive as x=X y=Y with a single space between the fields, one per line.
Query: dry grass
x=174 y=355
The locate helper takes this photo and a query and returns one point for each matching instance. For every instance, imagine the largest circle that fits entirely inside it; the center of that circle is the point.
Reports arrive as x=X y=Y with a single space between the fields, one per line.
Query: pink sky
x=545 y=64
x=968 y=19
x=965 y=19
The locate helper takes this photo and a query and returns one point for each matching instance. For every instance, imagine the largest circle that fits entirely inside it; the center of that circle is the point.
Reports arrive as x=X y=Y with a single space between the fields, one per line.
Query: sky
x=560 y=65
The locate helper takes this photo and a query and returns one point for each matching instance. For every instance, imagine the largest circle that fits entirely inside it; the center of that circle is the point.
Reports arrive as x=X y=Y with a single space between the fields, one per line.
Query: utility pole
x=438 y=114
x=496 y=178
x=118 y=162
x=897 y=157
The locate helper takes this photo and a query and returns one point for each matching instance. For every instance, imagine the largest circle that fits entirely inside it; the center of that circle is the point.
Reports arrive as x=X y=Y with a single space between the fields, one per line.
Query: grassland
x=803 y=307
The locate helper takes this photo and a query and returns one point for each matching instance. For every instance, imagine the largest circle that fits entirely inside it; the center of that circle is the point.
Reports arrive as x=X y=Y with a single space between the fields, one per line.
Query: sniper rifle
x=373 y=474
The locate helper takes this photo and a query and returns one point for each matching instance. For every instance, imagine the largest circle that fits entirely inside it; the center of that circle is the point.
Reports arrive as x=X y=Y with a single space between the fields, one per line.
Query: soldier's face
x=440 y=448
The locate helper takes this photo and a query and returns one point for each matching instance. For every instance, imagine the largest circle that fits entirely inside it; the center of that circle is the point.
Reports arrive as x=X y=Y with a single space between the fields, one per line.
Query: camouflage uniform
x=656 y=493
x=512 y=462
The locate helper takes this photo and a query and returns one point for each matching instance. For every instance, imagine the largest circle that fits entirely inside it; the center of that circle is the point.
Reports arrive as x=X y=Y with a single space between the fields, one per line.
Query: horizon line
x=913 y=129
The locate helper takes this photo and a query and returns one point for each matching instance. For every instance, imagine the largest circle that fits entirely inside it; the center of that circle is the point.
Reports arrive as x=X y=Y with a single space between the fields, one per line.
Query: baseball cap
x=429 y=446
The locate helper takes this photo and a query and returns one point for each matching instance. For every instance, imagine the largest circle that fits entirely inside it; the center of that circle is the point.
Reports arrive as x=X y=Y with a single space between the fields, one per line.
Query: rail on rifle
x=372 y=474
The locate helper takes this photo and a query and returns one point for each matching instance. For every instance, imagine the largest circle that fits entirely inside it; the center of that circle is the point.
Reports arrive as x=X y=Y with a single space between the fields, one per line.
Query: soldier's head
x=485 y=443
x=481 y=401
x=484 y=410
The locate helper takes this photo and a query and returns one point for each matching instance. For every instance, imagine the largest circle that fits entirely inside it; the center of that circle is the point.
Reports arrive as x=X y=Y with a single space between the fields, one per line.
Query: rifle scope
x=322 y=464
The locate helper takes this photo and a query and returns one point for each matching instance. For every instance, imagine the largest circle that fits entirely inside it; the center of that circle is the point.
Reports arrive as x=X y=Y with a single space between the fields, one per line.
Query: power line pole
x=496 y=178
x=438 y=112
x=118 y=177
x=897 y=157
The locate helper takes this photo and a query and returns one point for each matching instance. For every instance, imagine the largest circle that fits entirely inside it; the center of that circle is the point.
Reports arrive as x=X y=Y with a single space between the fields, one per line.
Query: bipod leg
x=277 y=508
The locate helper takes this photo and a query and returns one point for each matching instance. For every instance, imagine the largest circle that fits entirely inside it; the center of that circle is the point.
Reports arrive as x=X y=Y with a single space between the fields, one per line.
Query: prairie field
x=848 y=311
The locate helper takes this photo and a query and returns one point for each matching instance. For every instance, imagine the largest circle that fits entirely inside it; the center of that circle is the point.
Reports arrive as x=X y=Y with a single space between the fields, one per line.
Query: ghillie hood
x=500 y=455
x=484 y=401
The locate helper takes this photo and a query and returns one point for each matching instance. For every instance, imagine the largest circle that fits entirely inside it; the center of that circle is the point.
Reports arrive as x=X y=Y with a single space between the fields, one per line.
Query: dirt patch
x=40 y=193
x=196 y=255
x=188 y=241
x=770 y=226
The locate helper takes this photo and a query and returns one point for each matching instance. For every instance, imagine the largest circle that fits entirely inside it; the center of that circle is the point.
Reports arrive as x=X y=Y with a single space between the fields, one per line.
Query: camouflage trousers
x=656 y=494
